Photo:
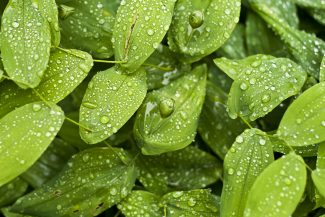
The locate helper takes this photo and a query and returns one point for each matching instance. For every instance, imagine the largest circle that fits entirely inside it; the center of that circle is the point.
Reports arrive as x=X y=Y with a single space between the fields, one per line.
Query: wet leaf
x=250 y=154
x=190 y=203
x=318 y=175
x=136 y=35
x=318 y=14
x=311 y=3
x=104 y=172
x=49 y=11
x=307 y=49
x=25 y=133
x=49 y=164
x=322 y=71
x=110 y=100
x=303 y=123
x=7 y=213
x=162 y=67
x=278 y=189
x=216 y=128
x=25 y=43
x=12 y=191
x=261 y=83
x=66 y=70
x=141 y=203
x=168 y=118
x=186 y=169
x=199 y=28
x=88 y=25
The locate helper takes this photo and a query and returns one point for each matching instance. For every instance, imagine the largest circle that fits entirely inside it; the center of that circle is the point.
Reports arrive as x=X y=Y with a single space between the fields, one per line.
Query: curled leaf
x=168 y=118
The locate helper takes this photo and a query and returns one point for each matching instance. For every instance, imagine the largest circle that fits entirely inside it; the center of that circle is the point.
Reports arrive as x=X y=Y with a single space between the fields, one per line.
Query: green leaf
x=199 y=28
x=168 y=118
x=136 y=35
x=234 y=48
x=88 y=25
x=190 y=203
x=92 y=181
x=318 y=177
x=66 y=70
x=248 y=157
x=25 y=43
x=49 y=164
x=7 y=213
x=311 y=3
x=110 y=100
x=12 y=191
x=186 y=169
x=306 y=48
x=318 y=14
x=49 y=11
x=141 y=203
x=25 y=133
x=261 y=83
x=162 y=67
x=216 y=128
x=263 y=41
x=322 y=71
x=278 y=189
x=303 y=123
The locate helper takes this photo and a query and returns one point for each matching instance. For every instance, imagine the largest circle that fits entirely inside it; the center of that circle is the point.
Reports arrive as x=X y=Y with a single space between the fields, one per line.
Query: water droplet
x=323 y=123
x=231 y=171
x=196 y=19
x=239 y=139
x=85 y=158
x=287 y=181
x=113 y=191
x=166 y=107
x=150 y=32
x=191 y=202
x=89 y=105
x=36 y=107
x=15 y=24
x=177 y=194
x=262 y=141
x=266 y=98
x=104 y=120
x=58 y=207
x=243 y=86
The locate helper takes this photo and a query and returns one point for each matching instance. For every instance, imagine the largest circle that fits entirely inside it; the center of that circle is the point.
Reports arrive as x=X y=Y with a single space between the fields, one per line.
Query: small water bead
x=243 y=86
x=15 y=24
x=266 y=98
x=150 y=32
x=191 y=202
x=239 y=139
x=262 y=141
x=231 y=171
x=196 y=19
x=104 y=120
x=36 y=107
x=323 y=123
x=177 y=194
x=113 y=191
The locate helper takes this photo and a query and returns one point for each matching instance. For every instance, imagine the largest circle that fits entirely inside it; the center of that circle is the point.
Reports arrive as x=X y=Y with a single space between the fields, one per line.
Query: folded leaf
x=261 y=83
x=66 y=70
x=25 y=133
x=190 y=203
x=168 y=118
x=110 y=100
x=216 y=128
x=278 y=189
x=25 y=43
x=186 y=169
x=141 y=203
x=303 y=123
x=88 y=25
x=12 y=191
x=49 y=11
x=92 y=181
x=136 y=35
x=201 y=27
x=248 y=157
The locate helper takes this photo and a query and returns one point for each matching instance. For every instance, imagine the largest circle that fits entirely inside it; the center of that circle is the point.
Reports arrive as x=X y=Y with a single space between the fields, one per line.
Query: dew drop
x=166 y=107
x=36 y=107
x=89 y=105
x=104 y=120
x=150 y=32
x=191 y=202
x=230 y=171
x=262 y=141
x=239 y=139
x=15 y=24
x=177 y=194
x=266 y=98
x=243 y=86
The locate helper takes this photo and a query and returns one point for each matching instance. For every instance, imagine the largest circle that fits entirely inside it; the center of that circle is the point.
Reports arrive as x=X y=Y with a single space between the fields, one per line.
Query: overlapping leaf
x=216 y=128
x=12 y=191
x=110 y=101
x=248 y=157
x=261 y=83
x=66 y=70
x=199 y=28
x=25 y=133
x=278 y=189
x=322 y=71
x=186 y=169
x=104 y=172
x=25 y=43
x=318 y=175
x=168 y=118
x=139 y=28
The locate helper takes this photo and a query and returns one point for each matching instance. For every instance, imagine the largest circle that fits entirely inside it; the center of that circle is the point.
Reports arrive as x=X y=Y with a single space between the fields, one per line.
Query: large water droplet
x=104 y=120
x=166 y=107
x=36 y=107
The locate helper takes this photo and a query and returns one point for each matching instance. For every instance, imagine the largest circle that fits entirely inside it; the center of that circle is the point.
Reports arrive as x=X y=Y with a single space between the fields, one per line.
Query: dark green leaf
x=25 y=133
x=12 y=191
x=201 y=27
x=66 y=70
x=25 y=43
x=303 y=123
x=141 y=203
x=138 y=33
x=322 y=71
x=216 y=128
x=278 y=189
x=186 y=169
x=110 y=100
x=311 y=3
x=248 y=157
x=261 y=83
x=6 y=212
x=93 y=181
x=168 y=118
x=88 y=25
x=190 y=203
x=318 y=14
